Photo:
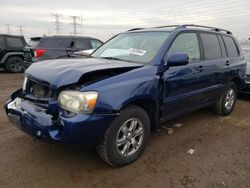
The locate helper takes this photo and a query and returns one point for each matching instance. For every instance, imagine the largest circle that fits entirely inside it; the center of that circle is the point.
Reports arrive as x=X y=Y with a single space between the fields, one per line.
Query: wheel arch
x=238 y=82
x=151 y=108
x=12 y=54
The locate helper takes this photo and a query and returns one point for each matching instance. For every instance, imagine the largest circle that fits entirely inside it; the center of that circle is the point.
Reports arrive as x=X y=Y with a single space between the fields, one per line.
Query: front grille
x=38 y=90
x=37 y=93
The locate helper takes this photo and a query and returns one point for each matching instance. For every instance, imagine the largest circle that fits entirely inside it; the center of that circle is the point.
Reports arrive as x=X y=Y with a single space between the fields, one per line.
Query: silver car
x=246 y=89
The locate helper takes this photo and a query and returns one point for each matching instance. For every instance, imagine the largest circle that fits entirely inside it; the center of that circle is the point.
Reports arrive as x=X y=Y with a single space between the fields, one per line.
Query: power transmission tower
x=8 y=28
x=75 y=23
x=21 y=29
x=57 y=22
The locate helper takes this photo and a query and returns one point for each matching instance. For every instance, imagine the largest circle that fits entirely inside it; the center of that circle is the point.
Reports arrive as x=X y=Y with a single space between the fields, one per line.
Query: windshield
x=135 y=47
x=247 y=56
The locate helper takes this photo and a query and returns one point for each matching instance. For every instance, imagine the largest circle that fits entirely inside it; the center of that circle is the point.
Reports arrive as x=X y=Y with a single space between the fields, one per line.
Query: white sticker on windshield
x=137 y=51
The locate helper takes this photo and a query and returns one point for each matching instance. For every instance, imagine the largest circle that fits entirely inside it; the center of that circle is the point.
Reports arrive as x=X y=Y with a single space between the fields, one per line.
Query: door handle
x=200 y=68
x=227 y=63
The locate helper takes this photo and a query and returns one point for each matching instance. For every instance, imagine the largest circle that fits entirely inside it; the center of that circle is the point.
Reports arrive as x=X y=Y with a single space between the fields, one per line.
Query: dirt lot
x=221 y=159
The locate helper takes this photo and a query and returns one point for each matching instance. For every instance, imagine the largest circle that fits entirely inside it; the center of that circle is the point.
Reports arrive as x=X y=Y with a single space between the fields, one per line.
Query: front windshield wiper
x=113 y=58
x=118 y=59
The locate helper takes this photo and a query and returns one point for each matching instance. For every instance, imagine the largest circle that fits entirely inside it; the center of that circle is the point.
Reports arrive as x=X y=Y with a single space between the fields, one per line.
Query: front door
x=182 y=88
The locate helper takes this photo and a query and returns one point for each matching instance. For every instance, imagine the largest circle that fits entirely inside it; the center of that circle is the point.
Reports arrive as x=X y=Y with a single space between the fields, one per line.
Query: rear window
x=55 y=42
x=14 y=42
x=231 y=47
x=211 y=46
x=34 y=42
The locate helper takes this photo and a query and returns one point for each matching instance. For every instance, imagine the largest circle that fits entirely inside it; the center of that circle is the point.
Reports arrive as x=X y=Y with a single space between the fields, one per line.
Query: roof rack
x=166 y=26
x=188 y=25
x=206 y=27
x=158 y=27
x=134 y=29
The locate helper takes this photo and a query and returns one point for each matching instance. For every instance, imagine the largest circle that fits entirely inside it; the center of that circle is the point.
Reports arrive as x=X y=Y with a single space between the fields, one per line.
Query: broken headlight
x=78 y=102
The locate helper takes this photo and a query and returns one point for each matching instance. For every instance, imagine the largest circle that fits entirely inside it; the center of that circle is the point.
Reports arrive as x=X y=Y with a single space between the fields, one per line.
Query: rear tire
x=14 y=65
x=126 y=138
x=226 y=102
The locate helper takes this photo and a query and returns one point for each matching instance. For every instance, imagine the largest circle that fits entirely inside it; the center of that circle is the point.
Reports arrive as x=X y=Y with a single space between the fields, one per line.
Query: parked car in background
x=56 y=47
x=246 y=89
x=11 y=53
x=130 y=85
x=34 y=41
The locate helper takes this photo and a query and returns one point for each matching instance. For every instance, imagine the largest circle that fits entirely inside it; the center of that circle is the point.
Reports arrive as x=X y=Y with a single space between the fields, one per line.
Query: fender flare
x=7 y=55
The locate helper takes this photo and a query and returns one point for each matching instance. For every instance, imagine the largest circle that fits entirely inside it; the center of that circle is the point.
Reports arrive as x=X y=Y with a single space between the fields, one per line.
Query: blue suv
x=128 y=87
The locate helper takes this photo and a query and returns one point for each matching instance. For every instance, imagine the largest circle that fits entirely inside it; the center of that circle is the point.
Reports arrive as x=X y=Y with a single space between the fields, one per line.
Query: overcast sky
x=104 y=18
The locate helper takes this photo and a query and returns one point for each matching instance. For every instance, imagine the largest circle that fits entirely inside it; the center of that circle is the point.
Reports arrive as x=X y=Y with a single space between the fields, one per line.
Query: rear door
x=182 y=89
x=212 y=68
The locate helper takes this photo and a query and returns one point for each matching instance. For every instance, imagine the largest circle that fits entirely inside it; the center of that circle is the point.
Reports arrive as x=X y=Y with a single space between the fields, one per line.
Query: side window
x=223 y=48
x=95 y=43
x=211 y=46
x=14 y=42
x=188 y=43
x=231 y=47
x=1 y=43
x=82 y=44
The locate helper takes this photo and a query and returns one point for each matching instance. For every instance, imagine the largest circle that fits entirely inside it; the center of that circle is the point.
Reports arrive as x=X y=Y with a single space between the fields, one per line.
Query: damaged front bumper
x=76 y=131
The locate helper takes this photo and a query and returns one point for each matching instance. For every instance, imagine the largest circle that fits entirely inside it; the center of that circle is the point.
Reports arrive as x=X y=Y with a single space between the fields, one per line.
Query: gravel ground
x=221 y=157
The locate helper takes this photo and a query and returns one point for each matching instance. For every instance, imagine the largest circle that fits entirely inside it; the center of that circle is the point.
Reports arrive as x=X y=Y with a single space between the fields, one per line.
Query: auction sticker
x=137 y=51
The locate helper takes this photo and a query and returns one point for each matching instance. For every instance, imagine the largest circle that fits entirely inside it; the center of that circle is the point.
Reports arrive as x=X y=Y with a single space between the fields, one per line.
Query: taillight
x=38 y=52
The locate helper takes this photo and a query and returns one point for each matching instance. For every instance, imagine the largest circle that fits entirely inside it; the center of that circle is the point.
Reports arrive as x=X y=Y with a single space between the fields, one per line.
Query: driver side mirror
x=177 y=59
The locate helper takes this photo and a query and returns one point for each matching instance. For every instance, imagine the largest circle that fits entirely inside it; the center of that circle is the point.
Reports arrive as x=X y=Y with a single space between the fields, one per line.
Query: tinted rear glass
x=14 y=42
x=55 y=42
x=211 y=46
x=232 y=50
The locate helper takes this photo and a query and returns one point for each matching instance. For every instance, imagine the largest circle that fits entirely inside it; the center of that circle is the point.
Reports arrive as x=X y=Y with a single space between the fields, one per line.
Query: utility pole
x=8 y=28
x=81 y=23
x=75 y=24
x=57 y=22
x=21 y=29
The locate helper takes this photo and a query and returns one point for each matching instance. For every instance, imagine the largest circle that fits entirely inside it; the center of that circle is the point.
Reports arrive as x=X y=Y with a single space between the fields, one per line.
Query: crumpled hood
x=62 y=72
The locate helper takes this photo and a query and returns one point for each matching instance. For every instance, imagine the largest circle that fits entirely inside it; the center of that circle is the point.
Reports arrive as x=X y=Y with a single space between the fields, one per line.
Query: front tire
x=14 y=65
x=126 y=138
x=226 y=102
